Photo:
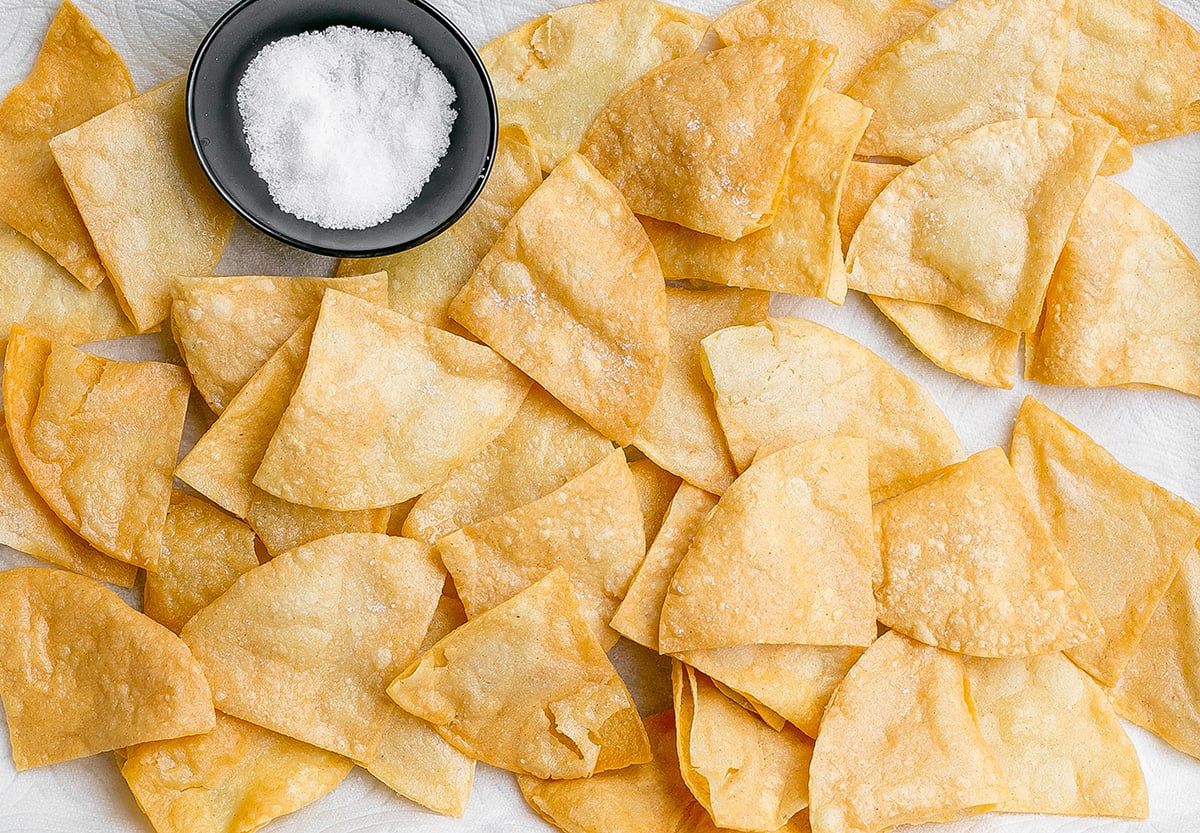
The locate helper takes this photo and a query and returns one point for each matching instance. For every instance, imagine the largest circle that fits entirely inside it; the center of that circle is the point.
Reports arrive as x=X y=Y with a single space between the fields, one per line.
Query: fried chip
x=526 y=687
x=1056 y=738
x=144 y=199
x=1122 y=536
x=234 y=779
x=899 y=745
x=978 y=226
x=973 y=63
x=656 y=488
x=77 y=75
x=683 y=149
x=384 y=409
x=968 y=566
x=788 y=380
x=283 y=526
x=227 y=327
x=863 y=182
x=81 y=672
x=98 y=439
x=1123 y=306
x=573 y=295
x=554 y=74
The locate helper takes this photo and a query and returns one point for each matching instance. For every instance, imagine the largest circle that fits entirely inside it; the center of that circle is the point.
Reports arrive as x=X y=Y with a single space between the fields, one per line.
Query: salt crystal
x=345 y=125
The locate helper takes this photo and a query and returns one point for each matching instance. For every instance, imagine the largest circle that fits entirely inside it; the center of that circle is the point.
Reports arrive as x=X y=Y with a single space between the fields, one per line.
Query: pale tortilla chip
x=968 y=566
x=656 y=488
x=978 y=226
x=76 y=75
x=1123 y=537
x=573 y=295
x=788 y=380
x=1120 y=153
x=1056 y=738
x=683 y=149
x=384 y=409
x=526 y=687
x=146 y=203
x=283 y=526
x=234 y=779
x=864 y=181
x=98 y=439
x=899 y=744
x=81 y=672
x=973 y=63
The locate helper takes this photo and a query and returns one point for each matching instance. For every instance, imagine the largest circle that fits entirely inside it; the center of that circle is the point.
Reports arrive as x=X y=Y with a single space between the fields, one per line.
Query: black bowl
x=216 y=125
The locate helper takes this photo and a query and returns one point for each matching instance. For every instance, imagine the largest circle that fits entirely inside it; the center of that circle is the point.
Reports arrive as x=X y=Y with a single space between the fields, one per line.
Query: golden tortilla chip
x=973 y=63
x=864 y=181
x=227 y=327
x=573 y=295
x=1120 y=153
x=234 y=779
x=554 y=74
x=385 y=408
x=146 y=203
x=788 y=380
x=1123 y=537
x=1123 y=306
x=1056 y=738
x=656 y=488
x=98 y=439
x=283 y=526
x=81 y=672
x=968 y=566
x=978 y=226
x=77 y=75
x=899 y=744
x=526 y=687
x=683 y=149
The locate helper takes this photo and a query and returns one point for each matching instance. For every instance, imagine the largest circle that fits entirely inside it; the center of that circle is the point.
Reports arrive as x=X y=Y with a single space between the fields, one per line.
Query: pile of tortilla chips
x=434 y=491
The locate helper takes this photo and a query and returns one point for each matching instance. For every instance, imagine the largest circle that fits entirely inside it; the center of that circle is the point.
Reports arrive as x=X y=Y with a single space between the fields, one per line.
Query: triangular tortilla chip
x=788 y=380
x=526 y=687
x=146 y=203
x=978 y=226
x=283 y=526
x=864 y=181
x=98 y=439
x=385 y=408
x=656 y=488
x=81 y=672
x=899 y=745
x=973 y=63
x=591 y=526
x=1056 y=738
x=1122 y=536
x=77 y=75
x=546 y=298
x=968 y=566
x=785 y=558
x=1123 y=306
x=682 y=149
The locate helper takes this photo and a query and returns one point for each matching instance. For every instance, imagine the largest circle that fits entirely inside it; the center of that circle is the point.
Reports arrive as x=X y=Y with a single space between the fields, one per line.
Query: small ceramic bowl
x=217 y=135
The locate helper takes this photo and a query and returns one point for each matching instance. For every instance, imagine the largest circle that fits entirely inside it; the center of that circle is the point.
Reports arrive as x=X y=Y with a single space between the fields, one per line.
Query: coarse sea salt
x=345 y=125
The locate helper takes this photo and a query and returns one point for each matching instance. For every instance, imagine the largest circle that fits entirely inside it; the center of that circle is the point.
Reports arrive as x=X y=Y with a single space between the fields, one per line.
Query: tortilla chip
x=227 y=327
x=573 y=295
x=77 y=75
x=385 y=408
x=424 y=280
x=682 y=149
x=968 y=566
x=1123 y=537
x=1056 y=738
x=656 y=488
x=554 y=74
x=591 y=526
x=1120 y=153
x=526 y=687
x=204 y=551
x=973 y=63
x=283 y=526
x=864 y=181
x=1123 y=306
x=234 y=779
x=788 y=380
x=144 y=199
x=98 y=439
x=798 y=251
x=978 y=226
x=899 y=745
x=81 y=672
